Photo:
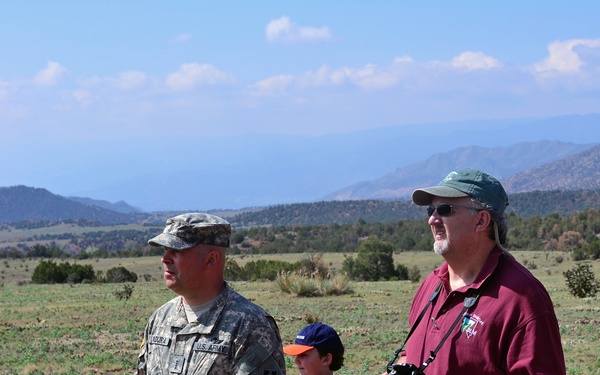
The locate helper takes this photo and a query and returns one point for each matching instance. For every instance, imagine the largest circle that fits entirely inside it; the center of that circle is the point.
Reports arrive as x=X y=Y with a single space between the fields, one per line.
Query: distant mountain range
x=257 y=170
x=501 y=162
x=579 y=171
x=22 y=203
x=524 y=167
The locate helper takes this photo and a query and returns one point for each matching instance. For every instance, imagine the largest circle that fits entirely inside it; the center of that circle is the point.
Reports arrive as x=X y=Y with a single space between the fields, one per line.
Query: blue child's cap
x=318 y=335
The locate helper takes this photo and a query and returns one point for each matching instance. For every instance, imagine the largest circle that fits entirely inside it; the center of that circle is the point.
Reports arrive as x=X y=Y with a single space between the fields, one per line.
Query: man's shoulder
x=513 y=271
x=168 y=306
x=237 y=304
x=518 y=282
x=235 y=299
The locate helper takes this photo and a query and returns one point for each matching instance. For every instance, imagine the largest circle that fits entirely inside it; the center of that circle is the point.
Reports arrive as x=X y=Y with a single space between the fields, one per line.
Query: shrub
x=581 y=281
x=402 y=272
x=124 y=293
x=120 y=275
x=314 y=265
x=337 y=285
x=593 y=250
x=374 y=262
x=48 y=272
x=414 y=274
x=258 y=270
x=283 y=282
x=304 y=287
x=311 y=318
x=233 y=271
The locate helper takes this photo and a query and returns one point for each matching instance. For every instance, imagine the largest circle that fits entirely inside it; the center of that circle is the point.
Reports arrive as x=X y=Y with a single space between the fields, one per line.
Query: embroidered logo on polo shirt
x=470 y=324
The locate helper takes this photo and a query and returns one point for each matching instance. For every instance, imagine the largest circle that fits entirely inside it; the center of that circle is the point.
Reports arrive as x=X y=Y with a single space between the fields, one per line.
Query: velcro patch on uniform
x=211 y=347
x=158 y=340
x=176 y=364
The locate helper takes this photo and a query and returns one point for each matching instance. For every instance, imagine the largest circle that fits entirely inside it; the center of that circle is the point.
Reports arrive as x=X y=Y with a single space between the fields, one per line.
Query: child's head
x=317 y=348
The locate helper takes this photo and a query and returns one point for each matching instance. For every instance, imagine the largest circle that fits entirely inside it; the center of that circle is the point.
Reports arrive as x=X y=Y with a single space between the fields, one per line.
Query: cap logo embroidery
x=450 y=175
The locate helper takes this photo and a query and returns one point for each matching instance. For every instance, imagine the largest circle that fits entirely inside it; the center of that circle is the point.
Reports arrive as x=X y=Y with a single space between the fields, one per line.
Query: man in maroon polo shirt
x=490 y=315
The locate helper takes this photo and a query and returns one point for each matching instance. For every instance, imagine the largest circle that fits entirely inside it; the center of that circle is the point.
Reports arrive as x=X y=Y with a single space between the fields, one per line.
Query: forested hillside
x=540 y=203
x=25 y=207
x=577 y=233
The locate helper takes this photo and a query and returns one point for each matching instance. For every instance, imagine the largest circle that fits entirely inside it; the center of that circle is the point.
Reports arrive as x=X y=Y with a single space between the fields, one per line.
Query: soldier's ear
x=214 y=257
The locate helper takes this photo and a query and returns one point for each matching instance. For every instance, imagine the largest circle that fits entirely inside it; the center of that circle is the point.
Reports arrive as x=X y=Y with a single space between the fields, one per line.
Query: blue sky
x=91 y=89
x=80 y=70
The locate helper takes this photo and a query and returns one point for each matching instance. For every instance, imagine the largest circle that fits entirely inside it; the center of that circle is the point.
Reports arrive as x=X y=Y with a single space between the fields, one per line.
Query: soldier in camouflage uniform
x=208 y=328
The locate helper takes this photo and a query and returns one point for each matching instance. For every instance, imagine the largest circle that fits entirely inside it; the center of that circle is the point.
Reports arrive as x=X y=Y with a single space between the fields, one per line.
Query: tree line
x=577 y=233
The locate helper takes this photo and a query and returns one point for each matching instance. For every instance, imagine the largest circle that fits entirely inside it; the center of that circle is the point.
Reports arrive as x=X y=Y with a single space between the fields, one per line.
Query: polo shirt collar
x=488 y=268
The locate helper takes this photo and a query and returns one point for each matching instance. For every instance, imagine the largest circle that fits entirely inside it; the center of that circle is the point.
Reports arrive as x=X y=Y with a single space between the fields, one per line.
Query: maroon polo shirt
x=512 y=329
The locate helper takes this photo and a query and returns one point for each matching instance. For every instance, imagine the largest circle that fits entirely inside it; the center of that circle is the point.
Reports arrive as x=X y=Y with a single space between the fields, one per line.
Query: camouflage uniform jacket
x=234 y=336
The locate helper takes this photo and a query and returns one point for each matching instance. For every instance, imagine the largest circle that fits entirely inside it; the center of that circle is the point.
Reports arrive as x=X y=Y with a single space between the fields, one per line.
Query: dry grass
x=85 y=329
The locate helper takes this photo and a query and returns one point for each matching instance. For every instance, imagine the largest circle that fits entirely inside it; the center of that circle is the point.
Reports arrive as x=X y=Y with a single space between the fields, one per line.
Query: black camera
x=405 y=369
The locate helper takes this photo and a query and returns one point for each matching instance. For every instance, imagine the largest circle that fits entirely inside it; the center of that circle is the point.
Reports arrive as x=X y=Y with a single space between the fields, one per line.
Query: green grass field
x=85 y=329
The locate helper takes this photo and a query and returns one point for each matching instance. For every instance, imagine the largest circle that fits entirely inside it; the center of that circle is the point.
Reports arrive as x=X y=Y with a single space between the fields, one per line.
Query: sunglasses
x=445 y=209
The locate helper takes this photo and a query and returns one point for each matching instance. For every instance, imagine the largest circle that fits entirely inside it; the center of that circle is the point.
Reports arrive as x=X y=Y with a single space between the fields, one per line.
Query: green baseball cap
x=188 y=230
x=465 y=182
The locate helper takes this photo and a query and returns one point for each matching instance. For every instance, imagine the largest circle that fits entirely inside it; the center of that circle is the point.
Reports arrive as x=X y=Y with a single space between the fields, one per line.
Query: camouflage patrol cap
x=191 y=229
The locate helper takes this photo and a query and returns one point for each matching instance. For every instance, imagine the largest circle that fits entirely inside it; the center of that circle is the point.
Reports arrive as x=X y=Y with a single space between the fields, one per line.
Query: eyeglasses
x=445 y=209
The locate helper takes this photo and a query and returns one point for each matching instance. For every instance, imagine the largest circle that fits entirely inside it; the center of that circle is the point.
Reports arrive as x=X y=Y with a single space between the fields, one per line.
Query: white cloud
x=4 y=86
x=129 y=80
x=563 y=56
x=50 y=75
x=370 y=77
x=324 y=76
x=474 y=60
x=191 y=75
x=272 y=85
x=82 y=96
x=182 y=38
x=285 y=31
x=373 y=78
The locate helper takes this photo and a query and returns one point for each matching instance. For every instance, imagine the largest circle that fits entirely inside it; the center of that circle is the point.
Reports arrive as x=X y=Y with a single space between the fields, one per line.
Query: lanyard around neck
x=469 y=301
x=412 y=329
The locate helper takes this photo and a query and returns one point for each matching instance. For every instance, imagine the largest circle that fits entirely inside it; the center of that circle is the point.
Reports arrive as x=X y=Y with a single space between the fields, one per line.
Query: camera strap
x=469 y=302
x=412 y=329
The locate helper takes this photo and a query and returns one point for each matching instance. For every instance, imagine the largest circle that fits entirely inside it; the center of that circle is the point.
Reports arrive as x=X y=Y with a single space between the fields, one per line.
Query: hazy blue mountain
x=550 y=165
x=120 y=206
x=500 y=162
x=23 y=203
x=264 y=169
x=577 y=172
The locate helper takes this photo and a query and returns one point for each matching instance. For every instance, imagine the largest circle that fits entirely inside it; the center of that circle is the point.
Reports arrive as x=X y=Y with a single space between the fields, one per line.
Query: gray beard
x=440 y=247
